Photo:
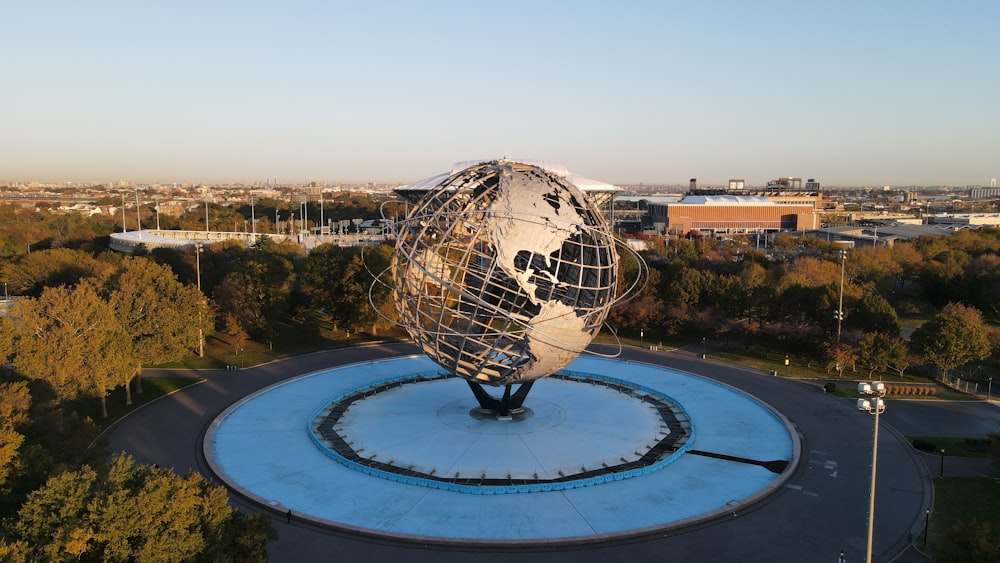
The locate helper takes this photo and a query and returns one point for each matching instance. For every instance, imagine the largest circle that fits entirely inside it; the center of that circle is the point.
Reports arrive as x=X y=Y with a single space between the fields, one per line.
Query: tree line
x=811 y=297
x=86 y=321
x=89 y=324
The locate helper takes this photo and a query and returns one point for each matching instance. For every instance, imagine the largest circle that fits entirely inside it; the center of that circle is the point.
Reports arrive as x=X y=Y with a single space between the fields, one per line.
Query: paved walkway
x=821 y=510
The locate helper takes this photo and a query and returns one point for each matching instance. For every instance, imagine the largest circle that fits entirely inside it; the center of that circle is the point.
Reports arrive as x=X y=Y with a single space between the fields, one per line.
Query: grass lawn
x=291 y=341
x=152 y=387
x=957 y=447
x=961 y=499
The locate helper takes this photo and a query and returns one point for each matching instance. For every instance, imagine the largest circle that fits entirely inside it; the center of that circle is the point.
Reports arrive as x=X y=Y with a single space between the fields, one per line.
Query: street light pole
x=927 y=524
x=201 y=336
x=840 y=305
x=941 y=475
x=875 y=407
x=138 y=218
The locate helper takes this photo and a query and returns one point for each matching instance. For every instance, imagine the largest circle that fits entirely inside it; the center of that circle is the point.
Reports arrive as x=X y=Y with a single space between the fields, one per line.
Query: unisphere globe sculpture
x=503 y=273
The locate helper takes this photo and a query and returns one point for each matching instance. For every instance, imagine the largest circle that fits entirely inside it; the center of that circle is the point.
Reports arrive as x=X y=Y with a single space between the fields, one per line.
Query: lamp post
x=253 y=220
x=201 y=336
x=840 y=304
x=927 y=524
x=989 y=389
x=138 y=218
x=941 y=475
x=875 y=406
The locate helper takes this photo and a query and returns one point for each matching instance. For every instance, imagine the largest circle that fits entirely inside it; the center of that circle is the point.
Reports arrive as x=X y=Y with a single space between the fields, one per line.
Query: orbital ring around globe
x=607 y=449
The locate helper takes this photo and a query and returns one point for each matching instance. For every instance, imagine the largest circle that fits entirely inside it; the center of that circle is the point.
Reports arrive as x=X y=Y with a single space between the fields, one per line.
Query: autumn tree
x=840 y=357
x=899 y=356
x=58 y=335
x=113 y=367
x=14 y=404
x=34 y=272
x=952 y=338
x=873 y=268
x=237 y=337
x=132 y=512
x=158 y=315
x=7 y=333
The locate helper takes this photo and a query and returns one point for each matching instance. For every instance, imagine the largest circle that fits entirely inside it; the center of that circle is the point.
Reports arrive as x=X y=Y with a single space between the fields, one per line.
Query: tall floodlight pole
x=157 y=213
x=840 y=305
x=124 y=230
x=275 y=221
x=253 y=221
x=201 y=336
x=206 y=211
x=321 y=211
x=138 y=220
x=875 y=406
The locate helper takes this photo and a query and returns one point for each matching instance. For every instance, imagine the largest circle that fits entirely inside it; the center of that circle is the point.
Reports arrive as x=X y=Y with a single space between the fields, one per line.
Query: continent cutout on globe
x=504 y=272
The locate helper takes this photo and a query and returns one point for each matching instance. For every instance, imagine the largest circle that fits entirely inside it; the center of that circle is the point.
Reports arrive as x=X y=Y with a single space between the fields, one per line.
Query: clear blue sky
x=874 y=92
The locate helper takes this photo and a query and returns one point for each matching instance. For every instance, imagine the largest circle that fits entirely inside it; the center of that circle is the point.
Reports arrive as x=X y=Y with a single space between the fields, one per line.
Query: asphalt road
x=822 y=510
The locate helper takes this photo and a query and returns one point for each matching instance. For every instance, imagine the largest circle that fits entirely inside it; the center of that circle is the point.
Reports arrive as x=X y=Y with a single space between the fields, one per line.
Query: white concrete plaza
x=263 y=448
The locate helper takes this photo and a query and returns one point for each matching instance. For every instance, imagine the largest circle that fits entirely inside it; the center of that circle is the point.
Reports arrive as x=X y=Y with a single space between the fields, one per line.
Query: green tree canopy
x=874 y=314
x=257 y=290
x=952 y=338
x=873 y=352
x=337 y=280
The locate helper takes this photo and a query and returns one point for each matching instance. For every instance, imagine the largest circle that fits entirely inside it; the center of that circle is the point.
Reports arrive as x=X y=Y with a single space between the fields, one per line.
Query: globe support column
x=501 y=407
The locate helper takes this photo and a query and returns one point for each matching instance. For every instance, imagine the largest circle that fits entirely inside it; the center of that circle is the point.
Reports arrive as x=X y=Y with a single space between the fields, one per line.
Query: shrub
x=830 y=387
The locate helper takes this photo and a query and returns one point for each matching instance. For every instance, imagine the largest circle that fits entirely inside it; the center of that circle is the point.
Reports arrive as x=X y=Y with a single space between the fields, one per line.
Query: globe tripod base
x=503 y=406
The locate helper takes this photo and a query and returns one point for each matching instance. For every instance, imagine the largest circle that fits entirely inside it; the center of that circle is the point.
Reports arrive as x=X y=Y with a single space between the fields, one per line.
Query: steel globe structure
x=503 y=273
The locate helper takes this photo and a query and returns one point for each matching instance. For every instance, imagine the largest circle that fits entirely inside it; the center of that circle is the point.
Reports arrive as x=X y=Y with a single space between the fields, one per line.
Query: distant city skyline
x=853 y=93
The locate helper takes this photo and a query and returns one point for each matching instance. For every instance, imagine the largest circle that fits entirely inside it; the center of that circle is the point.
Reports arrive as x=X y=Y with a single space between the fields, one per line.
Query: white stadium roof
x=725 y=200
x=585 y=184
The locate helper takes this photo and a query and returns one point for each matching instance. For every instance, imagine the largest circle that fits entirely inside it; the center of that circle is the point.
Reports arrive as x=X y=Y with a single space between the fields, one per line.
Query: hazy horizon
x=852 y=93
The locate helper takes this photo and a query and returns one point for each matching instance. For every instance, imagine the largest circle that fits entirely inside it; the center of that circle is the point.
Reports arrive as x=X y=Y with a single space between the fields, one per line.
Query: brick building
x=733 y=214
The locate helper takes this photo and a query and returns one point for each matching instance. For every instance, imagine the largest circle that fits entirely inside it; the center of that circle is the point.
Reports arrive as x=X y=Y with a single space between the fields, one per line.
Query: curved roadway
x=820 y=511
